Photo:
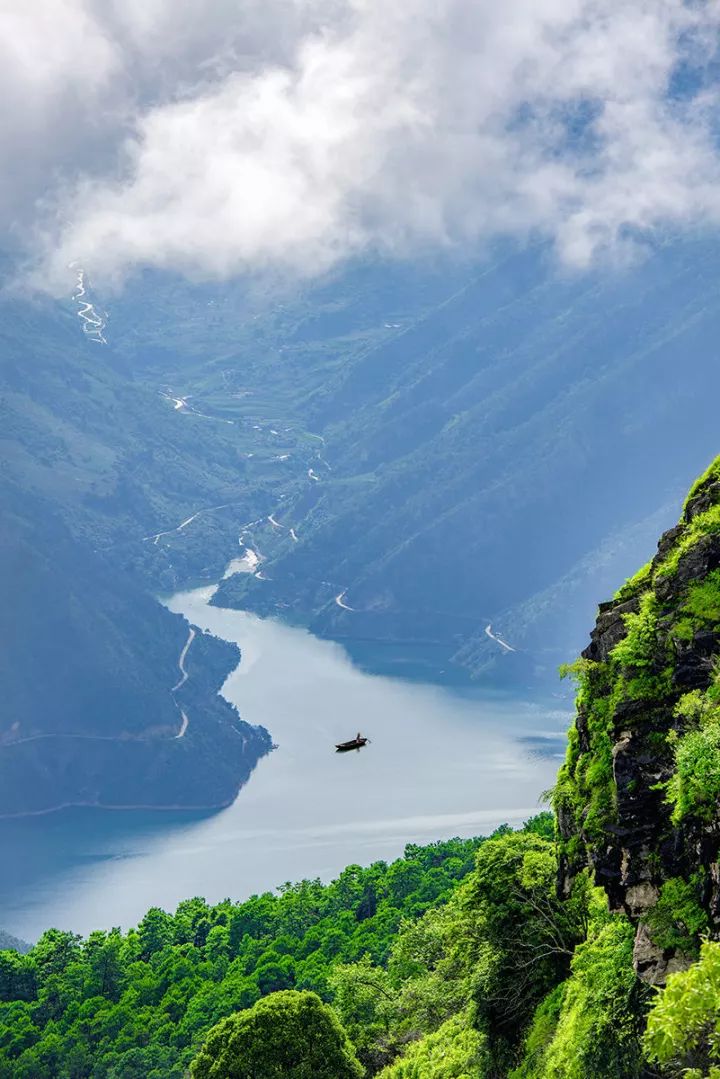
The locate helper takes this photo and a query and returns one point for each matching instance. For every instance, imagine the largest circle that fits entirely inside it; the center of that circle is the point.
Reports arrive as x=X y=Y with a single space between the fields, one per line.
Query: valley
x=379 y=449
x=360 y=540
x=426 y=419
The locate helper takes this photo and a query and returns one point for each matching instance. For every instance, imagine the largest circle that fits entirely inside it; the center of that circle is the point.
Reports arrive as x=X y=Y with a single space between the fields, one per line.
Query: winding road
x=185 y=722
x=93 y=323
x=156 y=536
x=181 y=660
x=180 y=404
x=498 y=640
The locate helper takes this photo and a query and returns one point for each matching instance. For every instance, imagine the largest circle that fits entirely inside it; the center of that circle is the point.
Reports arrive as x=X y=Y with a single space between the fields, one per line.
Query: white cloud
x=218 y=138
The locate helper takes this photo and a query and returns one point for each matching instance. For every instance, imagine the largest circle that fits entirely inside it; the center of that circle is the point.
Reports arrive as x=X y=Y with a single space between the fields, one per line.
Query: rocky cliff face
x=638 y=797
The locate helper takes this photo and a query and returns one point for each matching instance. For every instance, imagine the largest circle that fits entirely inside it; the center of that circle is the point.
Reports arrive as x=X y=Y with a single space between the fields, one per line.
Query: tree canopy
x=288 y=1035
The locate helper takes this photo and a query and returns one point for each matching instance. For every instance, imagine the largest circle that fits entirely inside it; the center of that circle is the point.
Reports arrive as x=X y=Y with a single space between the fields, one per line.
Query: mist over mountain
x=469 y=424
x=438 y=449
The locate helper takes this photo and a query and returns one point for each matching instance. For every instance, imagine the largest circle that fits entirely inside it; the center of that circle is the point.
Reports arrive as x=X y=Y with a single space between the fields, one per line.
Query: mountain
x=9 y=942
x=473 y=437
x=438 y=448
x=90 y=658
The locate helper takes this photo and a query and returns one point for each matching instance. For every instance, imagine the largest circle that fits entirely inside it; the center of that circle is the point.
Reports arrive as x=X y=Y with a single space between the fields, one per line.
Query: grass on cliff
x=684 y=731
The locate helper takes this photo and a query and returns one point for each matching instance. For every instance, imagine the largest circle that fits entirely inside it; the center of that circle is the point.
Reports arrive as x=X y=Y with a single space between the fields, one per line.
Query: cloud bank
x=218 y=138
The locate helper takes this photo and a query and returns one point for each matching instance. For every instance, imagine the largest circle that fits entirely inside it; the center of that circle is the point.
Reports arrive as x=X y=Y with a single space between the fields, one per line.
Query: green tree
x=155 y=931
x=55 y=950
x=141 y=1002
x=455 y=1051
x=18 y=976
x=288 y=1035
x=103 y=955
x=591 y=1024
x=366 y=1003
x=528 y=935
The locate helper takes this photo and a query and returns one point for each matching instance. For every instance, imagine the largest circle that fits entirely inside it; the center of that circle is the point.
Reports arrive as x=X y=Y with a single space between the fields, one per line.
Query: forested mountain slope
x=89 y=658
x=473 y=444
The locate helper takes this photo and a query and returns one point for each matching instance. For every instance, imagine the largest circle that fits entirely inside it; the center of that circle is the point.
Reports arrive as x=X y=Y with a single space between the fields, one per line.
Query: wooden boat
x=355 y=743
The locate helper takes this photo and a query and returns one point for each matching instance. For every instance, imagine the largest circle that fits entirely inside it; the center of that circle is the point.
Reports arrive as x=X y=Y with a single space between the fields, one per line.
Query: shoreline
x=120 y=808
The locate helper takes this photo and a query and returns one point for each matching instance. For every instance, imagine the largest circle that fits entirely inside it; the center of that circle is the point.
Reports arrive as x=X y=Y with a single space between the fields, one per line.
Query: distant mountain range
x=439 y=449
x=476 y=444
x=7 y=940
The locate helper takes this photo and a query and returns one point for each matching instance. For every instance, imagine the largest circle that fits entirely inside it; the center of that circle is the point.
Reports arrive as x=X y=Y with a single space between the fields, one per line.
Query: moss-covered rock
x=638 y=795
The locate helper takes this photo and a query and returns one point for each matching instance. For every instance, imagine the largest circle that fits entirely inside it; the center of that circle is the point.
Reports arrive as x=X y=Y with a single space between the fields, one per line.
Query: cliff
x=637 y=797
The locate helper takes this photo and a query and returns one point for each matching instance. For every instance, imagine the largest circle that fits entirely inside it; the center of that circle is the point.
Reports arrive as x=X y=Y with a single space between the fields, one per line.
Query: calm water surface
x=442 y=763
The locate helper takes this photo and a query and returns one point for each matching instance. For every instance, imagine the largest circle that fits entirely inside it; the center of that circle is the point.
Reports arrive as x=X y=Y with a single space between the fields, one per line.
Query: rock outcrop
x=638 y=795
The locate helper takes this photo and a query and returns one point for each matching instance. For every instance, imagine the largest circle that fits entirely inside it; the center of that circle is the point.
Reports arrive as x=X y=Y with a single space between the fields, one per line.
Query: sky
x=219 y=137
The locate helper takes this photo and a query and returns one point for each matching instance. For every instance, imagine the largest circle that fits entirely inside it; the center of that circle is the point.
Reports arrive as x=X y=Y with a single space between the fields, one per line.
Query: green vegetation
x=591 y=1024
x=677 y=919
x=703 y=599
x=459 y=961
x=455 y=1051
x=663 y=612
x=710 y=476
x=585 y=782
x=140 y=1004
x=635 y=584
x=694 y=787
x=437 y=961
x=287 y=1035
x=632 y=672
x=704 y=524
x=683 y=1028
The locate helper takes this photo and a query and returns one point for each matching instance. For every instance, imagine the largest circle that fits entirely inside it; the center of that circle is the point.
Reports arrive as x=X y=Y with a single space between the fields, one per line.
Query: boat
x=355 y=743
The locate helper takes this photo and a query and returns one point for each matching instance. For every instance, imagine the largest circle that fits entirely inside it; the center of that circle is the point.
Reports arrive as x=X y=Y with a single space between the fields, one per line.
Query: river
x=441 y=762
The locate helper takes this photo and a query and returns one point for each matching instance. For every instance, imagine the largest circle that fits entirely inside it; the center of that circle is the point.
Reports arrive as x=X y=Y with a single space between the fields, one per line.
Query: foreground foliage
x=683 y=1030
x=591 y=1024
x=137 y=1005
x=458 y=961
x=287 y=1035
